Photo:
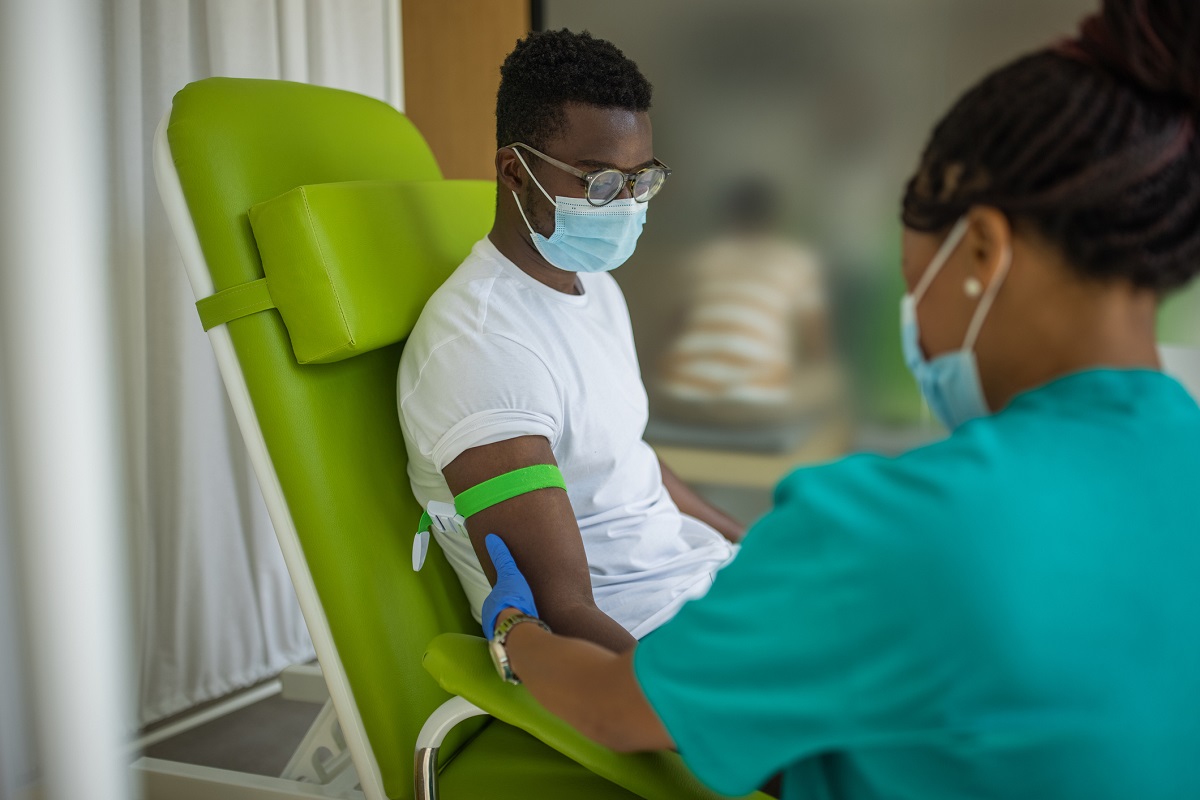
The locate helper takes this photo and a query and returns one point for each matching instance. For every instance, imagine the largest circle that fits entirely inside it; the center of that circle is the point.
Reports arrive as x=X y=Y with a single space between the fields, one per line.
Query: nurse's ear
x=509 y=171
x=988 y=244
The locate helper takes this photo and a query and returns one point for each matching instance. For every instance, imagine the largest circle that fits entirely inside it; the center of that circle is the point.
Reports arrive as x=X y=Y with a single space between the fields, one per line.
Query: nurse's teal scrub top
x=1011 y=612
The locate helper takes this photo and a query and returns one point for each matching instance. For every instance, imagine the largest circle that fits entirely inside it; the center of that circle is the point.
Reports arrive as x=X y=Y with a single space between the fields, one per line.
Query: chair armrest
x=461 y=665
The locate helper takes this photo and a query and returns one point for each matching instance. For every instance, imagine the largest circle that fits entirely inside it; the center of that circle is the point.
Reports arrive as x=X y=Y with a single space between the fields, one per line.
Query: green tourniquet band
x=235 y=302
x=501 y=488
x=507 y=486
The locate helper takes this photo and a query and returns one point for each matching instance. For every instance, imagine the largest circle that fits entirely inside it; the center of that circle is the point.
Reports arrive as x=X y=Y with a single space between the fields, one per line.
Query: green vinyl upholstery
x=333 y=254
x=331 y=429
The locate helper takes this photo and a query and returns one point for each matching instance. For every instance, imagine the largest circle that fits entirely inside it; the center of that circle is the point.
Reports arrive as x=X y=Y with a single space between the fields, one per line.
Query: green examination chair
x=313 y=224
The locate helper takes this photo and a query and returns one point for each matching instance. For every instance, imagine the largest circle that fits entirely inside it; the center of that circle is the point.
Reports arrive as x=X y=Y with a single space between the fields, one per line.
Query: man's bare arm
x=542 y=534
x=694 y=505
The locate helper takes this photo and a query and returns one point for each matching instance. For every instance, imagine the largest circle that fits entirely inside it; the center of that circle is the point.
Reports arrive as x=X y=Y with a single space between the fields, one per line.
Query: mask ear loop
x=943 y=255
x=935 y=266
x=985 y=304
x=536 y=183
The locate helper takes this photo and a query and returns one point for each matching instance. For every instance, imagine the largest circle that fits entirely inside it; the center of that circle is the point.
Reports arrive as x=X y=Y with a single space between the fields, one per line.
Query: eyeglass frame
x=629 y=178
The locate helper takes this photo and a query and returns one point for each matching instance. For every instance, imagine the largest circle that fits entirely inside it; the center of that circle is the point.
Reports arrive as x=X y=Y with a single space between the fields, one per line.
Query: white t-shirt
x=496 y=355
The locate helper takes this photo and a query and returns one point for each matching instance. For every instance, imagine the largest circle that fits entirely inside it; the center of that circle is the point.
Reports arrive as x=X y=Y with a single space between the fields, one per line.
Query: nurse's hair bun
x=1094 y=143
x=1153 y=43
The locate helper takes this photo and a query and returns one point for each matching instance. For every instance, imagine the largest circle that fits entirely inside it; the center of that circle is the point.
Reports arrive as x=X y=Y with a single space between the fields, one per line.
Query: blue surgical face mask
x=950 y=382
x=587 y=238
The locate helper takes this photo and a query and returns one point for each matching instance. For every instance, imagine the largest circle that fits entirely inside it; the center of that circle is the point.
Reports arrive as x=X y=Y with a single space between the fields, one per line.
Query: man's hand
x=511 y=589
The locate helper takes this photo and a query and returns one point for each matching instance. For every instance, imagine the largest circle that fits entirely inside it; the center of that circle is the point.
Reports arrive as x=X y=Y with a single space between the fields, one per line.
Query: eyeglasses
x=603 y=185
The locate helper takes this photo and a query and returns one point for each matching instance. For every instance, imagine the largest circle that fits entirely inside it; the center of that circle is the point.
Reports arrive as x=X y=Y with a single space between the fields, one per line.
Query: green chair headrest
x=349 y=265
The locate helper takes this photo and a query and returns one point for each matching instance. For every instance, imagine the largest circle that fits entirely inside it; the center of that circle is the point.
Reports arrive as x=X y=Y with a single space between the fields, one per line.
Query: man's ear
x=509 y=171
x=989 y=242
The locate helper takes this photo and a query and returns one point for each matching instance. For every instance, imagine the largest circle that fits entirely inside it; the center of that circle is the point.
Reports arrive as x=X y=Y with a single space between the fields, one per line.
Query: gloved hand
x=511 y=589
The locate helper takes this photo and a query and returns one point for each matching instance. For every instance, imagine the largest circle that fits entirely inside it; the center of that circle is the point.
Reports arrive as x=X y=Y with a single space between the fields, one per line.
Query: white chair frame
x=335 y=760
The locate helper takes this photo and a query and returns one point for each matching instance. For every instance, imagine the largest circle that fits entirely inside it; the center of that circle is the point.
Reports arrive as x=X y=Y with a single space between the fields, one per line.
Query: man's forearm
x=696 y=506
x=591 y=688
x=587 y=622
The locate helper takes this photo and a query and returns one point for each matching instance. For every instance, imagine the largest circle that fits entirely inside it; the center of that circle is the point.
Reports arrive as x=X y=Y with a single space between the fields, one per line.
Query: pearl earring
x=973 y=287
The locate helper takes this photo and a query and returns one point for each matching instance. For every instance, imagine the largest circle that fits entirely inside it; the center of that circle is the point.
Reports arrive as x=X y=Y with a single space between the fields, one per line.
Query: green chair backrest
x=330 y=429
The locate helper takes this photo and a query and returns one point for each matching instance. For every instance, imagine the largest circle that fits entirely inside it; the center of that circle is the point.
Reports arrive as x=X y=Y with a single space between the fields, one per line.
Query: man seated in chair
x=525 y=356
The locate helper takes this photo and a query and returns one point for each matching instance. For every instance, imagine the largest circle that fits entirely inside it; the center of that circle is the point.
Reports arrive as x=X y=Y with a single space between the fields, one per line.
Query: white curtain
x=215 y=610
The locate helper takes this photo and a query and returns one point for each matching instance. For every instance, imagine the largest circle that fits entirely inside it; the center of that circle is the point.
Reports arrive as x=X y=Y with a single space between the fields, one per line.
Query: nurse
x=1013 y=611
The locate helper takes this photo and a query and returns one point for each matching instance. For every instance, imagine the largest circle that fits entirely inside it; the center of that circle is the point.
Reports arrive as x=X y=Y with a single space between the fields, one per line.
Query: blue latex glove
x=511 y=589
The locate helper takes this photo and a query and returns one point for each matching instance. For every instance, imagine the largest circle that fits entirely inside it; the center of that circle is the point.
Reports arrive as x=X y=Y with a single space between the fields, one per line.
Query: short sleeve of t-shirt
x=772 y=665
x=478 y=389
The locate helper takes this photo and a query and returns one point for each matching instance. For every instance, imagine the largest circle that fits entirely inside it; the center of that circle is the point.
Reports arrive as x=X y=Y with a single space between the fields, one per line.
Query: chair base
x=171 y=780
x=322 y=757
x=320 y=767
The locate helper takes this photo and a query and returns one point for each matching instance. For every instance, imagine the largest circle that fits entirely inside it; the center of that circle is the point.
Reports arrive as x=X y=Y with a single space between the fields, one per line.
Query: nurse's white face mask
x=950 y=382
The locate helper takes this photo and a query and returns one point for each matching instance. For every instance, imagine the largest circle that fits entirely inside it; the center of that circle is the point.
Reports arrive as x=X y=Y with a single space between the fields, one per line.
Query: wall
x=452 y=57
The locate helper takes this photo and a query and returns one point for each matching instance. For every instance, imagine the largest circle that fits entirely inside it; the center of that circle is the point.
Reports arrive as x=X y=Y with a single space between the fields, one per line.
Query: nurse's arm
x=593 y=689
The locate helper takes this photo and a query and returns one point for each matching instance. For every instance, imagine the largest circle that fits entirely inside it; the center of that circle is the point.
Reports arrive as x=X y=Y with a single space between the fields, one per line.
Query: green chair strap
x=501 y=488
x=233 y=303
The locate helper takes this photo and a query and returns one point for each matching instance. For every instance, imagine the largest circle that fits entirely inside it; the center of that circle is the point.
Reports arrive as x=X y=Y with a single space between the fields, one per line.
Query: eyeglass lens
x=608 y=184
x=647 y=184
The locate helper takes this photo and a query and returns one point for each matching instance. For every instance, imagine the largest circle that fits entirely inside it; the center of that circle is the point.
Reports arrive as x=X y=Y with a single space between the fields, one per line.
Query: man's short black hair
x=551 y=68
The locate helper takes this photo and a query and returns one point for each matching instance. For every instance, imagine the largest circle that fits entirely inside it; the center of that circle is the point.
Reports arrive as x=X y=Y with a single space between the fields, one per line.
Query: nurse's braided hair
x=550 y=68
x=1093 y=142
